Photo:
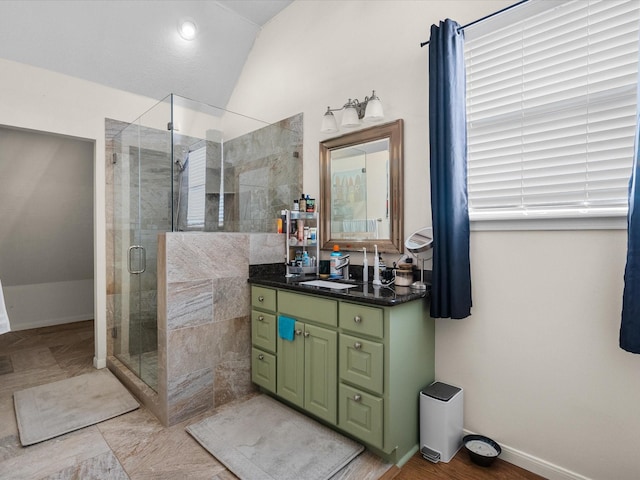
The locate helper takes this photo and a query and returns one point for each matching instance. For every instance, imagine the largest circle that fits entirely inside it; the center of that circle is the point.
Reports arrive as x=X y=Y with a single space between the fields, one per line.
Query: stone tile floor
x=132 y=446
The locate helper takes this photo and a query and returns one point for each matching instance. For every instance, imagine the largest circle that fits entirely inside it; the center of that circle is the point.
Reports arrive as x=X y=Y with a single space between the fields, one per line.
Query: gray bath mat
x=262 y=439
x=50 y=410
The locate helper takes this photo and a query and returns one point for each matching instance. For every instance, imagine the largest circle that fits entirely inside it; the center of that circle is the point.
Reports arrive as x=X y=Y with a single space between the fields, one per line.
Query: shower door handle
x=143 y=258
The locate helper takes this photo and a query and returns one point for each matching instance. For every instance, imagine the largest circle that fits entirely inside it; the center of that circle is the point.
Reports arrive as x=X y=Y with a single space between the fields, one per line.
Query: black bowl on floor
x=482 y=450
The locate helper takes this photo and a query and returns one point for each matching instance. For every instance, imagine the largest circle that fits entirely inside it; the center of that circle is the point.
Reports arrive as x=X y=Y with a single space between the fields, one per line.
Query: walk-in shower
x=184 y=167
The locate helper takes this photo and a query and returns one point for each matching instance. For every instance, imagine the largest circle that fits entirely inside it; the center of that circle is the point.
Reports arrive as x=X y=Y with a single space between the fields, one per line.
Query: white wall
x=46 y=233
x=42 y=100
x=53 y=303
x=538 y=358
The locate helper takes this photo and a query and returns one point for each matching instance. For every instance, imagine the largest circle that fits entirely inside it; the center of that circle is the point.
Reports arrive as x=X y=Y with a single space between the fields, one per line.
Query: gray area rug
x=50 y=410
x=262 y=439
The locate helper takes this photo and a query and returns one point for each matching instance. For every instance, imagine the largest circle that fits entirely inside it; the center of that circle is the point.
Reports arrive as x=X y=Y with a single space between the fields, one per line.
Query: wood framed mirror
x=361 y=189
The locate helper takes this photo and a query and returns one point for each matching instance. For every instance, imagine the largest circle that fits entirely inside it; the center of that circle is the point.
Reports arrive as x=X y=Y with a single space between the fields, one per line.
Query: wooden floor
x=135 y=445
x=461 y=468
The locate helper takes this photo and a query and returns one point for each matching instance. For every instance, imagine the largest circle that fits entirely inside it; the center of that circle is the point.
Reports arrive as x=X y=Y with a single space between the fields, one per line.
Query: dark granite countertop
x=383 y=295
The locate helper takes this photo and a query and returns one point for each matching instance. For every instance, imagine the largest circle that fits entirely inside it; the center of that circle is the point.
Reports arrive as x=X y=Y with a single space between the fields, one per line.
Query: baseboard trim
x=536 y=465
x=51 y=321
x=99 y=362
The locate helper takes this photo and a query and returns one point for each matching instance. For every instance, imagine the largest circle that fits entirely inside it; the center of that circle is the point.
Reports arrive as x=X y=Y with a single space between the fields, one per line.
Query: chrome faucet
x=343 y=265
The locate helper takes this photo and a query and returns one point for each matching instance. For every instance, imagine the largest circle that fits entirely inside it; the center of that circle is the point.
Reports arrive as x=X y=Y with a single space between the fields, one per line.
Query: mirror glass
x=420 y=241
x=361 y=178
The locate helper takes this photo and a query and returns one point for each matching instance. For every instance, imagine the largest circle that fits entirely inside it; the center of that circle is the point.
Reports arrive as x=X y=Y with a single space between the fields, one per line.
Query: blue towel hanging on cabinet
x=286 y=327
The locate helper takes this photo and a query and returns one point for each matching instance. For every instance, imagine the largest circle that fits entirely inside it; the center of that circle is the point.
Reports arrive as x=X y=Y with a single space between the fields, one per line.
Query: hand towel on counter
x=4 y=317
x=286 y=327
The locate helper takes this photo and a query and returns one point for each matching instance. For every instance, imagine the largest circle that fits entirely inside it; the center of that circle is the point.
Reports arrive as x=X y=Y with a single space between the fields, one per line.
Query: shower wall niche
x=195 y=192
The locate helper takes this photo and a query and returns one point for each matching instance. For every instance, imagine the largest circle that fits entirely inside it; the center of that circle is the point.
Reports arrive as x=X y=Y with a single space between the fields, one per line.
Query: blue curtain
x=630 y=326
x=451 y=276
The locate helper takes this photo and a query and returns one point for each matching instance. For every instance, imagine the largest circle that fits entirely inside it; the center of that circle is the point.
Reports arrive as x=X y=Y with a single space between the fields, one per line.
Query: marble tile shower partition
x=204 y=324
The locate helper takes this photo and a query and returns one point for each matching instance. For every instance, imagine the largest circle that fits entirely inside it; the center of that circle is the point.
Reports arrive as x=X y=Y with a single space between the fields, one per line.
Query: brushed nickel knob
x=357 y=319
x=357 y=345
x=298 y=332
x=261 y=357
x=260 y=318
x=261 y=298
x=306 y=334
x=357 y=397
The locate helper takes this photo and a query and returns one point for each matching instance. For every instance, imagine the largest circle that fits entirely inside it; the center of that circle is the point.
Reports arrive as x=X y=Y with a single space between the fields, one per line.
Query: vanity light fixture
x=370 y=110
x=187 y=29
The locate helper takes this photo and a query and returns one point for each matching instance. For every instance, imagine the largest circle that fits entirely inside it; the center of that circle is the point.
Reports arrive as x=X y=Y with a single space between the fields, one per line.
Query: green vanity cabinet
x=263 y=369
x=263 y=337
x=321 y=372
x=361 y=415
x=315 y=309
x=357 y=366
x=263 y=330
x=290 y=370
x=386 y=356
x=362 y=362
x=307 y=369
x=263 y=298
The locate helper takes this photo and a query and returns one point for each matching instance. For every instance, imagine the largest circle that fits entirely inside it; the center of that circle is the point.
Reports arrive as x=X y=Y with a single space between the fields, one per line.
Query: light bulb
x=329 y=124
x=350 y=118
x=374 y=111
x=188 y=29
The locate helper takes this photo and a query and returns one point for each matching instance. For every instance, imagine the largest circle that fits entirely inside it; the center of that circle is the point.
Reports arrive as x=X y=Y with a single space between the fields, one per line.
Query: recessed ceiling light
x=188 y=29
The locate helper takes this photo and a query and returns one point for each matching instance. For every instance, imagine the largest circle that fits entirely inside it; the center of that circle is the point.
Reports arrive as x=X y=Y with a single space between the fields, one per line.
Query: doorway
x=46 y=233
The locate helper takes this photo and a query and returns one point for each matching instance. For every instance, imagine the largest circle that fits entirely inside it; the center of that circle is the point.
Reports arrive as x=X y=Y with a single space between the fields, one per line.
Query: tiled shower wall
x=203 y=295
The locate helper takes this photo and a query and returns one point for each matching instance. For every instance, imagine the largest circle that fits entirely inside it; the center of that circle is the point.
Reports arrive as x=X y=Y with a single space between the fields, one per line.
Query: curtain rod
x=486 y=17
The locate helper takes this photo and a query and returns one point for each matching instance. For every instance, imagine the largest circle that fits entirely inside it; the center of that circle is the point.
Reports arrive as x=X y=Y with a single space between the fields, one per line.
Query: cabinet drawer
x=362 y=362
x=361 y=319
x=360 y=414
x=263 y=330
x=263 y=298
x=263 y=369
x=320 y=310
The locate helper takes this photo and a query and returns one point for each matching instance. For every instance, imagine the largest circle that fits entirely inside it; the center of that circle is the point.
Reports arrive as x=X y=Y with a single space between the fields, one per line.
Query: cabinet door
x=291 y=367
x=320 y=379
x=263 y=330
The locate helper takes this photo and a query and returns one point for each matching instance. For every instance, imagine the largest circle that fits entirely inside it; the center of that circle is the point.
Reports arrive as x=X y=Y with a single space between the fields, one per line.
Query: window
x=196 y=198
x=551 y=109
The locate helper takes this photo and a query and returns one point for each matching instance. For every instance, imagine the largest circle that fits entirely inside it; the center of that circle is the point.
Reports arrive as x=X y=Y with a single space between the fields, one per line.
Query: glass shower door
x=142 y=189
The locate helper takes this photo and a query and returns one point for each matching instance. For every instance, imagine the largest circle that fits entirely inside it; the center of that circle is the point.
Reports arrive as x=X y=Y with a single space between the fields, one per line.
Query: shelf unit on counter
x=295 y=222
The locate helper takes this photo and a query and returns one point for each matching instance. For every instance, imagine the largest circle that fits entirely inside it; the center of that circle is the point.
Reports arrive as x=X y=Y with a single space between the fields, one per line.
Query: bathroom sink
x=328 y=284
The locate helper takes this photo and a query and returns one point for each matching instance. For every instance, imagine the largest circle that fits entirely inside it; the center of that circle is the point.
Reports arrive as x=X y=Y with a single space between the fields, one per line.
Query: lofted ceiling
x=133 y=45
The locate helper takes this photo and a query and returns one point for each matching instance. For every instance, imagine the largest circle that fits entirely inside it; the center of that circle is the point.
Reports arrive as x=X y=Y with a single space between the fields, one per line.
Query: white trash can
x=441 y=421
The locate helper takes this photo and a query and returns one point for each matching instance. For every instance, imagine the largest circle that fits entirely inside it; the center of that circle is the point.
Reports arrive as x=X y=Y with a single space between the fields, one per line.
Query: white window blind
x=197 y=177
x=551 y=109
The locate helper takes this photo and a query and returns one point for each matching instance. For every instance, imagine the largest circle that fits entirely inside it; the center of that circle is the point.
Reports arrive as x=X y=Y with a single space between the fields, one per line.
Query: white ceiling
x=133 y=45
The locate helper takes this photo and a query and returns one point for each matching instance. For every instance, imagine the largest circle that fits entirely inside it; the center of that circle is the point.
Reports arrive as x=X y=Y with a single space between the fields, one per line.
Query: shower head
x=182 y=165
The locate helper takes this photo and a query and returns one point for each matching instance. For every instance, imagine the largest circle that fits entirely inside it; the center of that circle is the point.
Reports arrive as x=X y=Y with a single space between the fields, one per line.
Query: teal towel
x=286 y=326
